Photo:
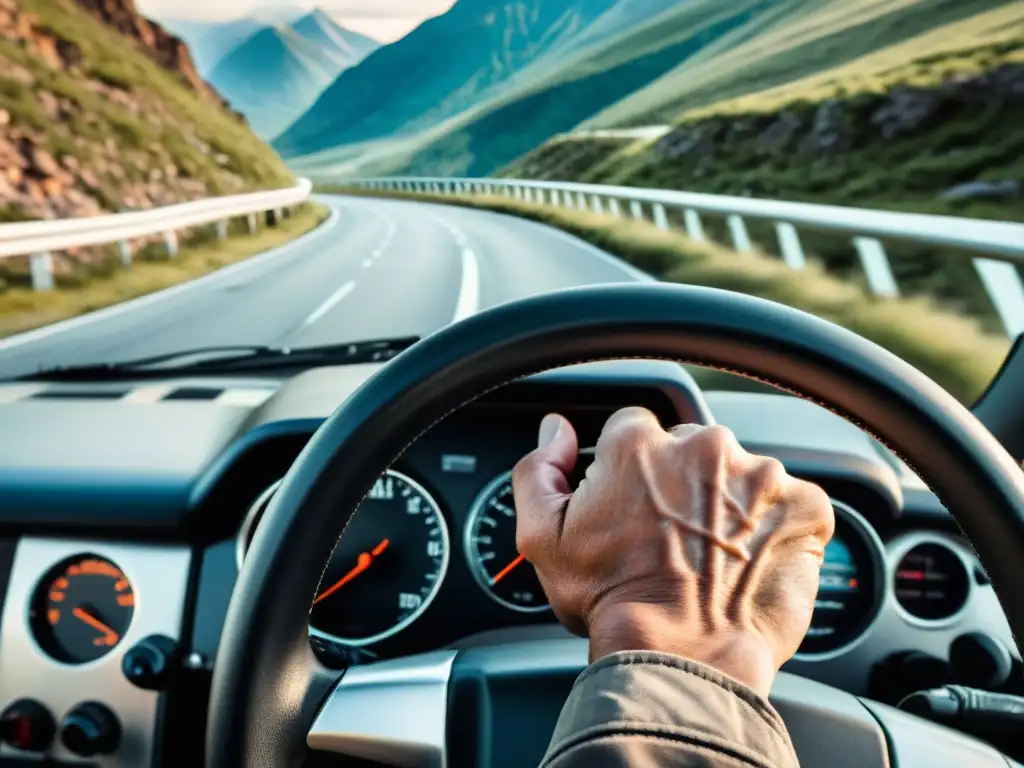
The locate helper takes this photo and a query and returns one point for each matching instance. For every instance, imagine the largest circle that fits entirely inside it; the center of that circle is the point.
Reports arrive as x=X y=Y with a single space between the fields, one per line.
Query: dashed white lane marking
x=379 y=250
x=468 y=302
x=333 y=299
x=469 y=289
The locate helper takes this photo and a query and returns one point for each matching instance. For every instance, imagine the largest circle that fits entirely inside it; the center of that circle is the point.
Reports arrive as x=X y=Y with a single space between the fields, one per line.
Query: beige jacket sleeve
x=655 y=710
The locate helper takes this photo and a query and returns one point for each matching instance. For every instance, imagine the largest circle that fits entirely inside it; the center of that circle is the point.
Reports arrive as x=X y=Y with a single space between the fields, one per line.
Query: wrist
x=742 y=655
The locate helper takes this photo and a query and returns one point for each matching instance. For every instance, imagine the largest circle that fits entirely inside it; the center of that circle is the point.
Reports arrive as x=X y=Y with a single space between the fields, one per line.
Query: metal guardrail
x=1002 y=243
x=39 y=239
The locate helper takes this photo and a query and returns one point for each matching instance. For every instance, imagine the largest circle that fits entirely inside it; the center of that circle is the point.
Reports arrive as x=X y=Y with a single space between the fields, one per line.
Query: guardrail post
x=789 y=245
x=876 y=266
x=738 y=231
x=614 y=209
x=541 y=195
x=581 y=201
x=556 y=198
x=250 y=219
x=222 y=229
x=1006 y=292
x=660 y=219
x=124 y=248
x=595 y=204
x=40 y=267
x=529 y=194
x=171 y=243
x=636 y=210
x=694 y=227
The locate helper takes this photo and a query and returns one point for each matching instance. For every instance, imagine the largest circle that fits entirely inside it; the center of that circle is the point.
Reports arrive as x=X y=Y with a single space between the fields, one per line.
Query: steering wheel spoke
x=394 y=712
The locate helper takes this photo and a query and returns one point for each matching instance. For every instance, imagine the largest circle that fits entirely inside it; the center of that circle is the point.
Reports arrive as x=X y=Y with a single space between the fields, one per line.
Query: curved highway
x=376 y=268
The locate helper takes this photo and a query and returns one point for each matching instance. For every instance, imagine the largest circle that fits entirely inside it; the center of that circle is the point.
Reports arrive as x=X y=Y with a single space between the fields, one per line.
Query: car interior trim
x=159 y=575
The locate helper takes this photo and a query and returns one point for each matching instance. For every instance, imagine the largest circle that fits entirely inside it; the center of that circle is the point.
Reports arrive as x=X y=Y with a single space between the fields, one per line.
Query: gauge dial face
x=491 y=549
x=849 y=586
x=387 y=567
x=931 y=582
x=82 y=609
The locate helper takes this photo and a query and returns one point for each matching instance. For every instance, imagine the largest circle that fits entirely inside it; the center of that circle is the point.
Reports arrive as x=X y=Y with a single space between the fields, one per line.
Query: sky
x=384 y=20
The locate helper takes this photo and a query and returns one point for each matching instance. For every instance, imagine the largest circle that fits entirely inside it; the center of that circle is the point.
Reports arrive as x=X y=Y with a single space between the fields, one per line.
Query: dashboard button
x=980 y=660
x=151 y=663
x=90 y=729
x=27 y=725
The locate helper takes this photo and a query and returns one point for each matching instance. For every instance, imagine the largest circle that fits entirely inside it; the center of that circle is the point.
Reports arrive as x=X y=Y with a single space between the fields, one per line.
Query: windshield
x=179 y=175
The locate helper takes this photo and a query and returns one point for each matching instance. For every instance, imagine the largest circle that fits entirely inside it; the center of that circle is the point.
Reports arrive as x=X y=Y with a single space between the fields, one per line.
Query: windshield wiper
x=228 y=359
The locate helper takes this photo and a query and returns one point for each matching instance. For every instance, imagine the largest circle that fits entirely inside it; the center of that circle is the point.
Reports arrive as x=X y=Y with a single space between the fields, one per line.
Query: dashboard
x=127 y=509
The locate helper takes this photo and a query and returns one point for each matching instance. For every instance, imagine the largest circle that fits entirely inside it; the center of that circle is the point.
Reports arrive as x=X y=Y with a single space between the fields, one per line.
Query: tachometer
x=388 y=565
x=82 y=609
x=491 y=549
x=931 y=582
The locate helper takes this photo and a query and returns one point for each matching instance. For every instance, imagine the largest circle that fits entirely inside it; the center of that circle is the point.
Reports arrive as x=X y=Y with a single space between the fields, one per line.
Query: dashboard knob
x=980 y=660
x=152 y=662
x=27 y=725
x=90 y=729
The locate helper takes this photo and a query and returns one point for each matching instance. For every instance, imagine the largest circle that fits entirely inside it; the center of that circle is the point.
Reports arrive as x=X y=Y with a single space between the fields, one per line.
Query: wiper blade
x=229 y=359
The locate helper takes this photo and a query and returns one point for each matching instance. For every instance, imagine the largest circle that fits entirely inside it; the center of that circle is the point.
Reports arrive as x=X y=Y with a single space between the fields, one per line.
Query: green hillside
x=930 y=125
x=657 y=65
x=92 y=122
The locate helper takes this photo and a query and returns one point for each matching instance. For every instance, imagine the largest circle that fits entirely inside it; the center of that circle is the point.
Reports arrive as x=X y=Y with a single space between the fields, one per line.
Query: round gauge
x=491 y=548
x=849 y=587
x=82 y=609
x=931 y=582
x=387 y=567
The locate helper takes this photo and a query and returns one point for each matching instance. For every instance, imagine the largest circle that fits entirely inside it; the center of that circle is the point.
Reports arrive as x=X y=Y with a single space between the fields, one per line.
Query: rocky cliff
x=102 y=110
x=165 y=49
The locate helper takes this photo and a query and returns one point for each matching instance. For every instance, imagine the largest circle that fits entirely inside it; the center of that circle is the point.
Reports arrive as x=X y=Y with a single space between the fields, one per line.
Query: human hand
x=676 y=541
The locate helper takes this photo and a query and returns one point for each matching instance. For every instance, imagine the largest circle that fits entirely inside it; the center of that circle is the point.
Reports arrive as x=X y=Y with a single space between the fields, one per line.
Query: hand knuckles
x=714 y=441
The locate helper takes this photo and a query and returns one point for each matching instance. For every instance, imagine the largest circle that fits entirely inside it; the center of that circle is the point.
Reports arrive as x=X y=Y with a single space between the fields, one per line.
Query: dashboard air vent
x=194 y=393
x=80 y=394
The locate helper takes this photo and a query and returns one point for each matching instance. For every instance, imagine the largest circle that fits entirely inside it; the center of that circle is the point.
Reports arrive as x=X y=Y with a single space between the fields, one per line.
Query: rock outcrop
x=168 y=51
x=838 y=125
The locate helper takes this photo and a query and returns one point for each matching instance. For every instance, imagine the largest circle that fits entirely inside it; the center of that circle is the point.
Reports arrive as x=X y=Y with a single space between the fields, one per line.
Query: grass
x=23 y=309
x=796 y=44
x=952 y=349
x=174 y=123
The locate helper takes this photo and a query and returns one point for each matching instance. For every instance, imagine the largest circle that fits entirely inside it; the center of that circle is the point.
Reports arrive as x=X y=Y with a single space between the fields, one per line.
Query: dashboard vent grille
x=194 y=393
x=80 y=394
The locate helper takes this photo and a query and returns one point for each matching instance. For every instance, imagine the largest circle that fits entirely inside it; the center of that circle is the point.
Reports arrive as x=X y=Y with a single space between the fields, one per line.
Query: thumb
x=540 y=482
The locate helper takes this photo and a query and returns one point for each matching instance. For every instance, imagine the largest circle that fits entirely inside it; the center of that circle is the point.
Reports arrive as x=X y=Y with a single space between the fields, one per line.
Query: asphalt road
x=377 y=268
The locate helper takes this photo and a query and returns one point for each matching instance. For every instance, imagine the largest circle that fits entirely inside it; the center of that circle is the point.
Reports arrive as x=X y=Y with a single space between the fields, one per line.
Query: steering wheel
x=268 y=687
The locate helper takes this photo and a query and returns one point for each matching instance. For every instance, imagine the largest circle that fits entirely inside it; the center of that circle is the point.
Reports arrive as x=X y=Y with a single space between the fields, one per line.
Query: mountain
x=210 y=40
x=440 y=69
x=276 y=73
x=102 y=109
x=642 y=62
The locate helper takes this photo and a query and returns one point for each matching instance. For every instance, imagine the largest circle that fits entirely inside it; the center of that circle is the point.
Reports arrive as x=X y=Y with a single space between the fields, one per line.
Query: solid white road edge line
x=174 y=290
x=469 y=289
x=333 y=299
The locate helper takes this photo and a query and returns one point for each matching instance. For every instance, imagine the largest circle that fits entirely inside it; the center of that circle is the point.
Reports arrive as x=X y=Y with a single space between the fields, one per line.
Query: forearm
x=655 y=709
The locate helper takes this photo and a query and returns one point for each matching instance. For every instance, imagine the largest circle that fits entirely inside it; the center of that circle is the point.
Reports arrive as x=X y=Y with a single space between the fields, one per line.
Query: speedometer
x=387 y=567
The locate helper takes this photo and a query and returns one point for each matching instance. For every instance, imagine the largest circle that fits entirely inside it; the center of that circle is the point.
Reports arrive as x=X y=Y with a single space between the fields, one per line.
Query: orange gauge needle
x=506 y=570
x=363 y=562
x=110 y=636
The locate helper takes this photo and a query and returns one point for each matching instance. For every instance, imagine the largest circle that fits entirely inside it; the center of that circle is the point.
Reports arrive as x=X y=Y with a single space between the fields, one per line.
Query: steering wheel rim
x=267 y=684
